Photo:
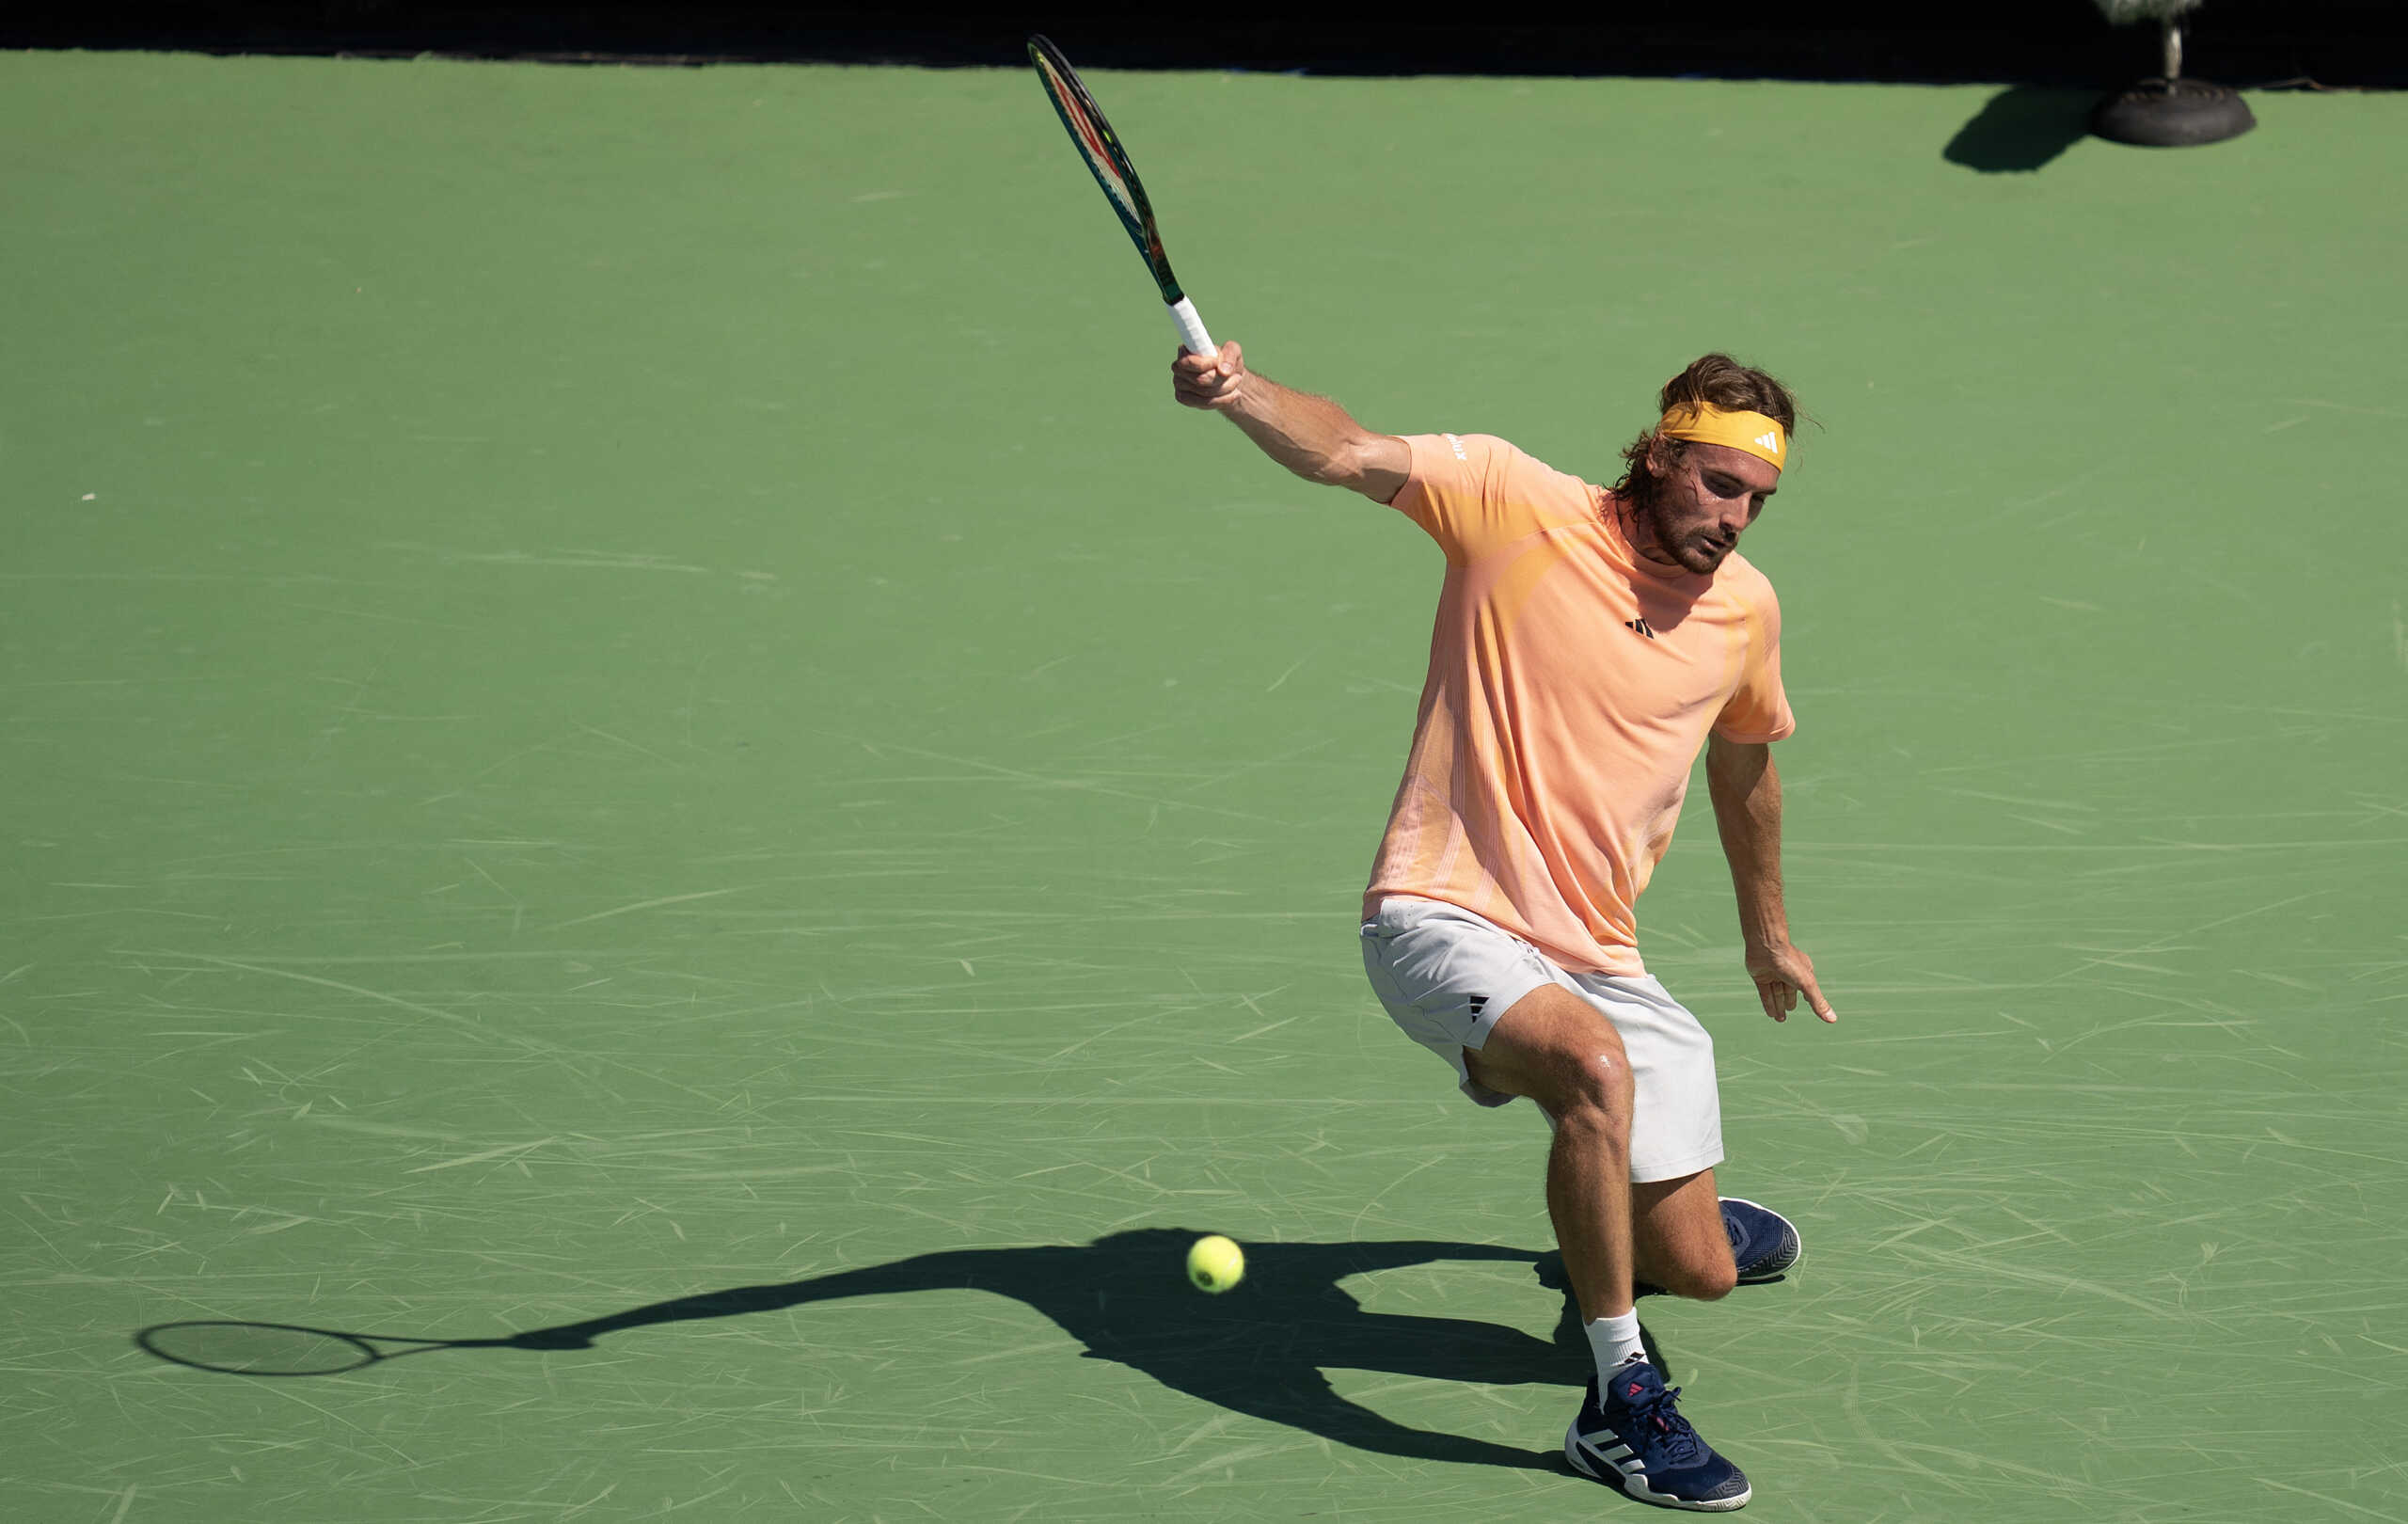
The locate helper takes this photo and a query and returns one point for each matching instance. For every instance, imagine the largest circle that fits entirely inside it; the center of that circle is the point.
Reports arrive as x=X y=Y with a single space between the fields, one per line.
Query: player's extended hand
x=1783 y=972
x=1215 y=382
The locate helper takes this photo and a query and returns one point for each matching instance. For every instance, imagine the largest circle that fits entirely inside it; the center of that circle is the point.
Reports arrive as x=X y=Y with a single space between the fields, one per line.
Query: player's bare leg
x=1678 y=1240
x=1628 y=1433
x=1688 y=1240
x=1562 y=1053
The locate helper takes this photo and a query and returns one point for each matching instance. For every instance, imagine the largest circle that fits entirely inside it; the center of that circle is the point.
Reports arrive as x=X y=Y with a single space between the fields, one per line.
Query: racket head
x=258 y=1349
x=1105 y=158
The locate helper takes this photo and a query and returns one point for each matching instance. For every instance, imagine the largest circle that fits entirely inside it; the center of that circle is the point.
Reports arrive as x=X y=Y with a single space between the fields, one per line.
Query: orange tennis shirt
x=1570 y=685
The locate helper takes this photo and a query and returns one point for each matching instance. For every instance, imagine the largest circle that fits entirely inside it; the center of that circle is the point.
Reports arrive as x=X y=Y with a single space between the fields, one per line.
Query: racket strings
x=1105 y=159
x=1093 y=136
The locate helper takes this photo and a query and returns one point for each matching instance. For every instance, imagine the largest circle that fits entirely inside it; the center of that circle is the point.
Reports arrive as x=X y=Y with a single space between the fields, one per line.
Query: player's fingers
x=1815 y=1002
x=1769 y=992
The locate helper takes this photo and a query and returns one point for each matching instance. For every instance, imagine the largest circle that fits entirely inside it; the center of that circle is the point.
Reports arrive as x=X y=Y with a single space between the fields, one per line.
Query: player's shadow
x=2022 y=129
x=1261 y=1349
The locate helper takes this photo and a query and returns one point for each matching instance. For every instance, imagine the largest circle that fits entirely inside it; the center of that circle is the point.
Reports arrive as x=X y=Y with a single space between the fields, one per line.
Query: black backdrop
x=2337 y=44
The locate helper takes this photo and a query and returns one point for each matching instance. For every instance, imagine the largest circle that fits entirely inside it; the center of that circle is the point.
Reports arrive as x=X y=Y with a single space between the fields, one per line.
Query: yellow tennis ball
x=1215 y=1264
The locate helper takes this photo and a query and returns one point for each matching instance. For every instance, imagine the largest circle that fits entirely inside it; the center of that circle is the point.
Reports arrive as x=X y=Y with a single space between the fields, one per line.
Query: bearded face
x=1699 y=499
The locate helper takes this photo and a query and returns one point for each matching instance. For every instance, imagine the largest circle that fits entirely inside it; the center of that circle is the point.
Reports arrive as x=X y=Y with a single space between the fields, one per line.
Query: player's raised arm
x=1311 y=436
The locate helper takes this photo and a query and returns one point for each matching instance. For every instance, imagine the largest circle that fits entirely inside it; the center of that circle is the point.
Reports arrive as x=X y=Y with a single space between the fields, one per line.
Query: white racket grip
x=1191 y=328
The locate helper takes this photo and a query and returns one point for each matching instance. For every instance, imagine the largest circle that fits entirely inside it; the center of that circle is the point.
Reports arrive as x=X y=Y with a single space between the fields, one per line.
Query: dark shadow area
x=2022 y=129
x=2252 y=42
x=1261 y=1349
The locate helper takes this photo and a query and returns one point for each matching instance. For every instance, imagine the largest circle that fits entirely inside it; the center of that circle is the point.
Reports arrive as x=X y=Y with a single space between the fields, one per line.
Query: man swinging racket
x=1588 y=642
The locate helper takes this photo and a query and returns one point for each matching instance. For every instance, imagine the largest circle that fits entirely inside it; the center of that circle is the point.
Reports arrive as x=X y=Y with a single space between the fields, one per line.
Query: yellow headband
x=1759 y=436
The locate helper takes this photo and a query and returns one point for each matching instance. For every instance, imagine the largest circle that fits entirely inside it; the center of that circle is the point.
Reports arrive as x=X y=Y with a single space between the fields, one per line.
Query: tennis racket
x=1109 y=163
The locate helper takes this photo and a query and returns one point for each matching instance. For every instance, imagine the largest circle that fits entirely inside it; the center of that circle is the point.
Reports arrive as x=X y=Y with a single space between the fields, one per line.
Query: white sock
x=1614 y=1341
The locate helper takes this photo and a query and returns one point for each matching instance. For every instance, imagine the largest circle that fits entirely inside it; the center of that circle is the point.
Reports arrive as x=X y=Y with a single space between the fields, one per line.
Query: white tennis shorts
x=1446 y=975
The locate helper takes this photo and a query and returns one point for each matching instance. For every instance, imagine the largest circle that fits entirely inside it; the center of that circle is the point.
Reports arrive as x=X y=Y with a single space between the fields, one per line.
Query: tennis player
x=1589 y=641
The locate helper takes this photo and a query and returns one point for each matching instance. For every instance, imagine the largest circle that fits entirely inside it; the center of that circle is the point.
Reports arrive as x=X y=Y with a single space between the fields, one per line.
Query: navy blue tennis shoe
x=1632 y=1438
x=1763 y=1243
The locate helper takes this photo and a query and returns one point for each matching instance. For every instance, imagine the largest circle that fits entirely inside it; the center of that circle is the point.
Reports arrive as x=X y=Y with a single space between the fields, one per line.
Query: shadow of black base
x=2022 y=129
x=1261 y=1349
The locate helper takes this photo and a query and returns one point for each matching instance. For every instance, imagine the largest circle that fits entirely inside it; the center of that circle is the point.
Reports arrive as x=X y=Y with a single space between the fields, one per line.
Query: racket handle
x=1191 y=328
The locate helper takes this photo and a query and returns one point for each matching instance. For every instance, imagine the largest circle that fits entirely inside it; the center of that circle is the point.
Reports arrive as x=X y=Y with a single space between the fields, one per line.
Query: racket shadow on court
x=1261 y=1349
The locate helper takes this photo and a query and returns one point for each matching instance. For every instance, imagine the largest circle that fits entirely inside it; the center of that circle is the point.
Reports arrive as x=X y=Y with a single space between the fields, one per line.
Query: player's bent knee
x=1693 y=1271
x=1584 y=1090
x=1602 y=1083
x=1560 y=1051
x=1594 y=1119
x=1705 y=1282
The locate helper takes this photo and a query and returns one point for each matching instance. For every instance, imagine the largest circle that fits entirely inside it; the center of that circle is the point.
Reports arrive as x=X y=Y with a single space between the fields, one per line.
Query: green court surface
x=624 y=704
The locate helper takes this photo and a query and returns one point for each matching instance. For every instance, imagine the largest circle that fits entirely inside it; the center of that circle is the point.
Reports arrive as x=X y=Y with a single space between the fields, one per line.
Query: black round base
x=2157 y=113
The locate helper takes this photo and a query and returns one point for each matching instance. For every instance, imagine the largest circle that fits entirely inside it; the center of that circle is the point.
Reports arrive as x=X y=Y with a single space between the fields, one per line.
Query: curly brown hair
x=1716 y=379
